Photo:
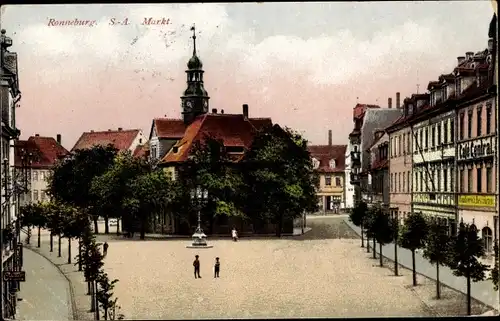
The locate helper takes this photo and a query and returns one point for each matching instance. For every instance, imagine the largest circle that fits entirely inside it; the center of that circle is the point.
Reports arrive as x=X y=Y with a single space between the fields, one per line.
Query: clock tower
x=195 y=98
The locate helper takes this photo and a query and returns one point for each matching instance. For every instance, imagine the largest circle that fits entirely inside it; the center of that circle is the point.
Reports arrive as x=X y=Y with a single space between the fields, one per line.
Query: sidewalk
x=481 y=291
x=46 y=292
x=80 y=302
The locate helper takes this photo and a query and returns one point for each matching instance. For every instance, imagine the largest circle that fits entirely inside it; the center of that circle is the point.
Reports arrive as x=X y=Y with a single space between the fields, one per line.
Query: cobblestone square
x=258 y=279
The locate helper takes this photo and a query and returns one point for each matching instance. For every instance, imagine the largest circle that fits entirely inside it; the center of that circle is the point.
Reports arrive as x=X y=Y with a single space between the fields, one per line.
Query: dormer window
x=333 y=163
x=175 y=149
x=315 y=163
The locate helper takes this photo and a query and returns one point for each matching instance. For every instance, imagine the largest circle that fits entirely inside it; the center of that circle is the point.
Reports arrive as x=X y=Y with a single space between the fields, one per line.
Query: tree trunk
x=29 y=236
x=39 y=237
x=106 y=224
x=79 y=254
x=438 y=285
x=118 y=226
x=469 y=303
x=69 y=250
x=396 y=266
x=143 y=229
x=96 y=226
x=279 y=226
x=51 y=242
x=105 y=313
x=92 y=296
x=374 y=249
x=96 y=301
x=88 y=288
x=59 y=246
x=381 y=259
x=414 y=268
x=362 y=237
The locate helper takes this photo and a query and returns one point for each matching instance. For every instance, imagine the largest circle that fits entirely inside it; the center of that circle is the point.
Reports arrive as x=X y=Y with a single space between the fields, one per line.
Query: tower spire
x=193 y=29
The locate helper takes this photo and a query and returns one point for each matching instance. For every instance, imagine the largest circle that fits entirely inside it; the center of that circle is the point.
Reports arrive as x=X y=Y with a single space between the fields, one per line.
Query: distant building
x=378 y=184
x=121 y=139
x=328 y=161
x=36 y=156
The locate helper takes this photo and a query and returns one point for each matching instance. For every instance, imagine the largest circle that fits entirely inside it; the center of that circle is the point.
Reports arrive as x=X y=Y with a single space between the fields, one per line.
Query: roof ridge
x=112 y=131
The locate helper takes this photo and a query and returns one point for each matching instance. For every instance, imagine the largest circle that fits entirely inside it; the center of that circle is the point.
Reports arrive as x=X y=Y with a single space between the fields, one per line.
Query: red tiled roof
x=233 y=130
x=325 y=153
x=260 y=123
x=120 y=139
x=141 y=150
x=45 y=151
x=169 y=128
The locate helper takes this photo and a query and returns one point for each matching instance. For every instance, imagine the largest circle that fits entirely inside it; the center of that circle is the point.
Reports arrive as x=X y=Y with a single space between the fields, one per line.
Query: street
x=45 y=294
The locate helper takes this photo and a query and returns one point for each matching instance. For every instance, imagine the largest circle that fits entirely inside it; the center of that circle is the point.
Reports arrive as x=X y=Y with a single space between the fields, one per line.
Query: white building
x=349 y=188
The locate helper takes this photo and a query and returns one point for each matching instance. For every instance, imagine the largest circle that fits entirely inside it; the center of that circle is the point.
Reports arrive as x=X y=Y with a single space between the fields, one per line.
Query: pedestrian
x=216 y=267
x=234 y=234
x=196 y=265
x=105 y=248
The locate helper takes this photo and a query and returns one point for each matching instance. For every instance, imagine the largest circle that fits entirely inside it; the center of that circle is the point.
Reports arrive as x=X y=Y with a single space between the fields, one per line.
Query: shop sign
x=476 y=149
x=477 y=200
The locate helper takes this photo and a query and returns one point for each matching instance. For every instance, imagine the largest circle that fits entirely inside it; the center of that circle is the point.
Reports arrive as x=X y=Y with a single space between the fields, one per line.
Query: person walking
x=216 y=267
x=196 y=265
x=234 y=234
x=105 y=248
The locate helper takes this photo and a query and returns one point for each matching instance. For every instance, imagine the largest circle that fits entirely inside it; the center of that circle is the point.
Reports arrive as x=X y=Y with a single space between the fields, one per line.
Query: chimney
x=222 y=111
x=490 y=45
x=460 y=59
x=91 y=130
x=245 y=110
x=468 y=55
x=398 y=100
x=109 y=130
x=330 y=137
x=58 y=139
x=37 y=135
x=389 y=102
x=214 y=110
x=120 y=129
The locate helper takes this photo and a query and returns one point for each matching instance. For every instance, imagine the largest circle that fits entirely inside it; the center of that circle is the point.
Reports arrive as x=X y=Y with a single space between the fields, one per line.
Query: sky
x=306 y=65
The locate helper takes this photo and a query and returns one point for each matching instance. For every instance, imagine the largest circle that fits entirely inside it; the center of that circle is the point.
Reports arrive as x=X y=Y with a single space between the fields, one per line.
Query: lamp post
x=199 y=196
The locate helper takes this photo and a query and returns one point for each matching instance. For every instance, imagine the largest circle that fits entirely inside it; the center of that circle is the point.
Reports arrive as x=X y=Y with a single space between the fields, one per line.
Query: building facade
x=348 y=187
x=328 y=161
x=379 y=169
x=9 y=98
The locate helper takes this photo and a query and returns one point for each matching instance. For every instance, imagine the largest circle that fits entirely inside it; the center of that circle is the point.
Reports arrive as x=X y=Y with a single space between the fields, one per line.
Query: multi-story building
x=9 y=97
x=400 y=161
x=379 y=169
x=328 y=161
x=348 y=187
x=477 y=154
x=36 y=157
x=121 y=139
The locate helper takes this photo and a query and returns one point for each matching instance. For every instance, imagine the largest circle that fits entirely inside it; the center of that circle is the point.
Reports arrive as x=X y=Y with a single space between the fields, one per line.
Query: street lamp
x=199 y=196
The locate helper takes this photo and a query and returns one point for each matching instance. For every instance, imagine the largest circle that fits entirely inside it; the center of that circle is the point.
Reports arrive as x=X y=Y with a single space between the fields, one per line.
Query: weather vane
x=193 y=29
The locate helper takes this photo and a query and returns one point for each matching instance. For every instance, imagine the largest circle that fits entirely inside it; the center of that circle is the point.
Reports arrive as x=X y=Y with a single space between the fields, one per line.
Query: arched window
x=333 y=163
x=315 y=163
x=487 y=239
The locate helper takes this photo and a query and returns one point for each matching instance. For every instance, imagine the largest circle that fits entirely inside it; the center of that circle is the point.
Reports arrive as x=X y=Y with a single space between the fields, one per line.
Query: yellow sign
x=477 y=200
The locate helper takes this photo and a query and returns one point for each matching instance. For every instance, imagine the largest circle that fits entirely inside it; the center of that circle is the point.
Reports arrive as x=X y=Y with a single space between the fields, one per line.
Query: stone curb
x=70 y=284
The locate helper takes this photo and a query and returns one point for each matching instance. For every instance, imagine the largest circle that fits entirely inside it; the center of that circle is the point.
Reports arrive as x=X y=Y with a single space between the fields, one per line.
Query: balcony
x=355 y=179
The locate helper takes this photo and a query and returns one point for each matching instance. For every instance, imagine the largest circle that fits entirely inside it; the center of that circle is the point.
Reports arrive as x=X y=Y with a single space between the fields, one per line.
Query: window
x=462 y=180
x=408 y=185
x=445 y=132
x=35 y=195
x=42 y=175
x=469 y=180
x=479 y=180
x=43 y=195
x=338 y=181
x=459 y=87
x=439 y=142
x=445 y=179
x=416 y=182
x=390 y=143
x=392 y=183
x=35 y=175
x=315 y=163
x=488 y=119
x=488 y=239
x=333 y=163
x=462 y=124
x=399 y=145
x=479 y=121
x=404 y=182
x=426 y=137
x=469 y=124
x=404 y=147
x=421 y=181
x=438 y=180
x=328 y=180
x=432 y=181
x=408 y=147
x=452 y=130
x=445 y=93
x=399 y=182
x=489 y=180
x=421 y=139
x=452 y=179
x=433 y=136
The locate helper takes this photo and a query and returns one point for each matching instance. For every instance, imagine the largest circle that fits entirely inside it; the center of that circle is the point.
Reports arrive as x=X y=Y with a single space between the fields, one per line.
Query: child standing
x=196 y=265
x=216 y=268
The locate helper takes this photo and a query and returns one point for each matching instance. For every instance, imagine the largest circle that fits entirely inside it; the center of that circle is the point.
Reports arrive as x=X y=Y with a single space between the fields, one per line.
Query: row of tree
x=65 y=221
x=460 y=252
x=273 y=182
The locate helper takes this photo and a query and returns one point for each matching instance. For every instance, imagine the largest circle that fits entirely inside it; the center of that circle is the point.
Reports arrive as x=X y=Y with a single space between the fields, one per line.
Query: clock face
x=205 y=105
x=188 y=105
